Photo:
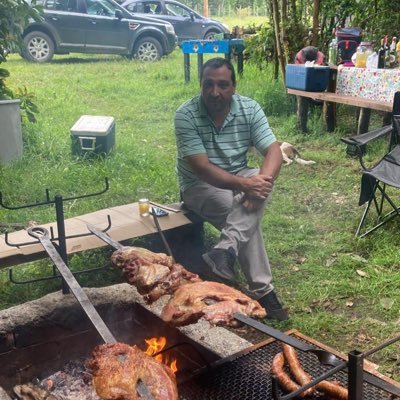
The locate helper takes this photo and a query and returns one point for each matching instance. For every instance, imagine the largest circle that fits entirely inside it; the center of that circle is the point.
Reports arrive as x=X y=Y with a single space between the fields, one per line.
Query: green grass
x=309 y=227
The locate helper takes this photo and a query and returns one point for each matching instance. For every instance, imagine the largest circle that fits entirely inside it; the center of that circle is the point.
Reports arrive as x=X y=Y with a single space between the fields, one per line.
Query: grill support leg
x=356 y=375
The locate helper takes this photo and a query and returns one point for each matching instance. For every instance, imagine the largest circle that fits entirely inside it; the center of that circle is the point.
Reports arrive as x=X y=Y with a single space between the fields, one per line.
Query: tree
x=14 y=15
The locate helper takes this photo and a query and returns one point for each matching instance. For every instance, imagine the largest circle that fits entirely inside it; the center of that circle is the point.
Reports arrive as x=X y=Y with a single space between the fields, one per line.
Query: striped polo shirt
x=246 y=125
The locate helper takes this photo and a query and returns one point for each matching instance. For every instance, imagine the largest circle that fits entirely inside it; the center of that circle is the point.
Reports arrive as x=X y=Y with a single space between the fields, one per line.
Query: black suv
x=95 y=26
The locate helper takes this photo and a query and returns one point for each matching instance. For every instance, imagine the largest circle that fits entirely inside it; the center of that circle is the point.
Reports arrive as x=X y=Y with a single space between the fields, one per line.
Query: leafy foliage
x=14 y=15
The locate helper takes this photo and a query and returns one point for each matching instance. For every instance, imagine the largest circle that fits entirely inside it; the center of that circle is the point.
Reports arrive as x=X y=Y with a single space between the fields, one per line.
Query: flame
x=155 y=345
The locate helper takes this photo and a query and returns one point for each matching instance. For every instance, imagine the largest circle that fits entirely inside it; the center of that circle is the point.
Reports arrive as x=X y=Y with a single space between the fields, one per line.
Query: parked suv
x=188 y=23
x=95 y=26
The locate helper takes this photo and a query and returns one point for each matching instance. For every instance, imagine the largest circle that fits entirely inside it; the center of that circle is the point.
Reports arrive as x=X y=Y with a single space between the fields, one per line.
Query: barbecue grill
x=201 y=375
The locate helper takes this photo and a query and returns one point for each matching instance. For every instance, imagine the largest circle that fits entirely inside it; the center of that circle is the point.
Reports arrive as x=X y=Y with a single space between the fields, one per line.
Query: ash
x=72 y=382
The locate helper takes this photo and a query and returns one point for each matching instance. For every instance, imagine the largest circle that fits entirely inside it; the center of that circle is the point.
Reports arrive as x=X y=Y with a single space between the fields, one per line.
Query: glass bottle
x=381 y=55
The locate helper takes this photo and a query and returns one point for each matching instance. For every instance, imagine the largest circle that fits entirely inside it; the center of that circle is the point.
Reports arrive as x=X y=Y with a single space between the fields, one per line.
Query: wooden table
x=332 y=96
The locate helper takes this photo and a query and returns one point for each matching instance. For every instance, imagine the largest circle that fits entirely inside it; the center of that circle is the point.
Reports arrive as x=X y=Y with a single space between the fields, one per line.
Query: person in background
x=214 y=132
x=309 y=53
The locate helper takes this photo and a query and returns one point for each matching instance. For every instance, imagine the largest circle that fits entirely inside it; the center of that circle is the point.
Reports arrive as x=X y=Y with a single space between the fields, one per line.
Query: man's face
x=217 y=88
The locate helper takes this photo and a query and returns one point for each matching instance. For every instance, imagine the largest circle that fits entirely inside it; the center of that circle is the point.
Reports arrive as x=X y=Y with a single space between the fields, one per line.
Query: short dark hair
x=310 y=53
x=219 y=62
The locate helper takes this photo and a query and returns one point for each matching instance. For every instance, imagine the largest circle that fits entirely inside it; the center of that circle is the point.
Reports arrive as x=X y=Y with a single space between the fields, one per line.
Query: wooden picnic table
x=330 y=98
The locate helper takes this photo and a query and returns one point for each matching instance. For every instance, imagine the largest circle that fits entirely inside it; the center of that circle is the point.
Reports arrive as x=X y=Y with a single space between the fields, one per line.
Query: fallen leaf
x=349 y=303
x=362 y=273
x=387 y=303
x=295 y=269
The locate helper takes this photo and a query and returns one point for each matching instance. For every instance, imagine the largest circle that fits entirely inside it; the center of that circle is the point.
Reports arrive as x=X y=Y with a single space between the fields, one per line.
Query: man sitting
x=214 y=132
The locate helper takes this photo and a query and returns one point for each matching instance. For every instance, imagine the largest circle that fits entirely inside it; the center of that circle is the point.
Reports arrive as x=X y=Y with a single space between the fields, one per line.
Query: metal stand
x=61 y=238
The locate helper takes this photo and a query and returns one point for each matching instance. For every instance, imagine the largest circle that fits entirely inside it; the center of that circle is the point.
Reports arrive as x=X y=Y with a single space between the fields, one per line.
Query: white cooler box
x=95 y=134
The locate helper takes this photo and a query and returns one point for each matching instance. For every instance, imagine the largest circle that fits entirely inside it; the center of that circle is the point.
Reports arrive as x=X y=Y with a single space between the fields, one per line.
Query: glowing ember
x=155 y=345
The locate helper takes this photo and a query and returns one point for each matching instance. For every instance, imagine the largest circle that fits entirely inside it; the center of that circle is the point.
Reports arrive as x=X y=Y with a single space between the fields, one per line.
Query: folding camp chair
x=376 y=181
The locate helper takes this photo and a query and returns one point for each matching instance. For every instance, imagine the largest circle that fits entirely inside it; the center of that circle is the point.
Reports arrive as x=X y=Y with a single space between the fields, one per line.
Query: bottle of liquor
x=381 y=55
x=392 y=55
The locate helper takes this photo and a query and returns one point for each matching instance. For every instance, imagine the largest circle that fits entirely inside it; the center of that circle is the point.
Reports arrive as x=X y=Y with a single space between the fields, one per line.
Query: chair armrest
x=360 y=140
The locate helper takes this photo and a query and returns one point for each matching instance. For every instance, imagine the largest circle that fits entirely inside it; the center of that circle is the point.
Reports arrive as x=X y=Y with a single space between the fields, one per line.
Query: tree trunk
x=284 y=23
x=278 y=45
x=315 y=25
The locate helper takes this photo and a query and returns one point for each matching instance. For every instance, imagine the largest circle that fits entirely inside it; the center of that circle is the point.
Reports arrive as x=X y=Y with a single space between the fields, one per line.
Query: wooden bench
x=125 y=224
x=330 y=99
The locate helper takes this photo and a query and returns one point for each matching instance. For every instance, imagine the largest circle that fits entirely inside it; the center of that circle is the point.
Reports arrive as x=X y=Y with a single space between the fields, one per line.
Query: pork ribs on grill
x=153 y=274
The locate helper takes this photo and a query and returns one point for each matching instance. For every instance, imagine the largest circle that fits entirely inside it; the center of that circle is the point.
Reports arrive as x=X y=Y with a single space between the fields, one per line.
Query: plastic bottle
x=333 y=52
x=362 y=54
x=392 y=55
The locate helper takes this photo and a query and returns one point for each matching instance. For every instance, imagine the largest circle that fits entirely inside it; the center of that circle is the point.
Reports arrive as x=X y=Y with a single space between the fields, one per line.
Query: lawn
x=340 y=290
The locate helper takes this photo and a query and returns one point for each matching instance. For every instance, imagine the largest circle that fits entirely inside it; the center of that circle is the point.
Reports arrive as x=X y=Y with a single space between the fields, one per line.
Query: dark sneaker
x=273 y=307
x=221 y=263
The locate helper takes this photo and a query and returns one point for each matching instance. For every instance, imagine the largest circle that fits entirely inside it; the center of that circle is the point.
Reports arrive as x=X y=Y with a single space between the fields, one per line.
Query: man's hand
x=258 y=187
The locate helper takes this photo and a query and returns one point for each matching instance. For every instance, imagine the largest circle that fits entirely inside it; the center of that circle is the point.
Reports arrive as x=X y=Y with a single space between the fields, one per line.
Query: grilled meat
x=153 y=274
x=212 y=301
x=118 y=369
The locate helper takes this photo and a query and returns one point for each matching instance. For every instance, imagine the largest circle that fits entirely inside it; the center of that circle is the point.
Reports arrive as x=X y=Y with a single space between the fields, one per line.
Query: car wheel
x=148 y=49
x=210 y=35
x=38 y=47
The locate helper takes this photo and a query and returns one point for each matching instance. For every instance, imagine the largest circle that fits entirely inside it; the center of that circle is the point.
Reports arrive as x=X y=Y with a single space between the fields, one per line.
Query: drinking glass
x=144 y=204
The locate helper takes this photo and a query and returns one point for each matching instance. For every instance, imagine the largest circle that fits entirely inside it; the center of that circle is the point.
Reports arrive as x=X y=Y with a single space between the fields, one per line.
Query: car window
x=175 y=9
x=100 y=7
x=62 y=5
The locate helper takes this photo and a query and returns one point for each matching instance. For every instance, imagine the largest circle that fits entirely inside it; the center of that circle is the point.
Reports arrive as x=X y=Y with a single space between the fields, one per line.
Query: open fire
x=155 y=346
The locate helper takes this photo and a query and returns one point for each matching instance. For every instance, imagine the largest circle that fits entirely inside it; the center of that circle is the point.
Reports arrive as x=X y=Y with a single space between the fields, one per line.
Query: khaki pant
x=239 y=228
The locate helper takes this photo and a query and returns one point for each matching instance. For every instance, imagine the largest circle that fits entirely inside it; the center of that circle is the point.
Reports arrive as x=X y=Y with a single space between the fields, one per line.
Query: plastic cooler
x=93 y=134
x=310 y=79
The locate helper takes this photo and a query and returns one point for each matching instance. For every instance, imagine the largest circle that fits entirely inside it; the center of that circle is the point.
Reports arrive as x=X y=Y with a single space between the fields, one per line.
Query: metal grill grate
x=248 y=378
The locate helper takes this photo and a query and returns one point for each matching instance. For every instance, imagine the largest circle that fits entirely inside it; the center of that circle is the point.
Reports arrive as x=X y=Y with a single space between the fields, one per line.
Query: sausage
x=330 y=388
x=301 y=376
x=281 y=376
x=333 y=389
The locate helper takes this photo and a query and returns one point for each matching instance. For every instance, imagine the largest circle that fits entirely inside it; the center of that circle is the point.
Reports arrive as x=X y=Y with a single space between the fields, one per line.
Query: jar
x=362 y=54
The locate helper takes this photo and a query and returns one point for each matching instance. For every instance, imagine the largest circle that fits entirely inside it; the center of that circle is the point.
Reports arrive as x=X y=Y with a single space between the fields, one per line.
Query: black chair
x=385 y=174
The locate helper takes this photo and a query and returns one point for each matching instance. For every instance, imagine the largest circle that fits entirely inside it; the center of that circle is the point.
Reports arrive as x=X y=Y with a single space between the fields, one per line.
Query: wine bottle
x=387 y=52
x=381 y=55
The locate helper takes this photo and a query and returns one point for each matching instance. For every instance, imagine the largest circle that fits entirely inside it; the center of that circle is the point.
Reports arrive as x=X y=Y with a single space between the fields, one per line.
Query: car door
x=67 y=22
x=180 y=17
x=105 y=33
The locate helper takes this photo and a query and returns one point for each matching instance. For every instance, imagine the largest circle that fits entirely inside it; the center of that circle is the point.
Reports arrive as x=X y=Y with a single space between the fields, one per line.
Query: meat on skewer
x=153 y=274
x=212 y=301
x=118 y=368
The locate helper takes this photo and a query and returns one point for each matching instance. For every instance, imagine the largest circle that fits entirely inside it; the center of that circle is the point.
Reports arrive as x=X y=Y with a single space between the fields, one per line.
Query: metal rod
x=356 y=375
x=161 y=233
x=62 y=245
